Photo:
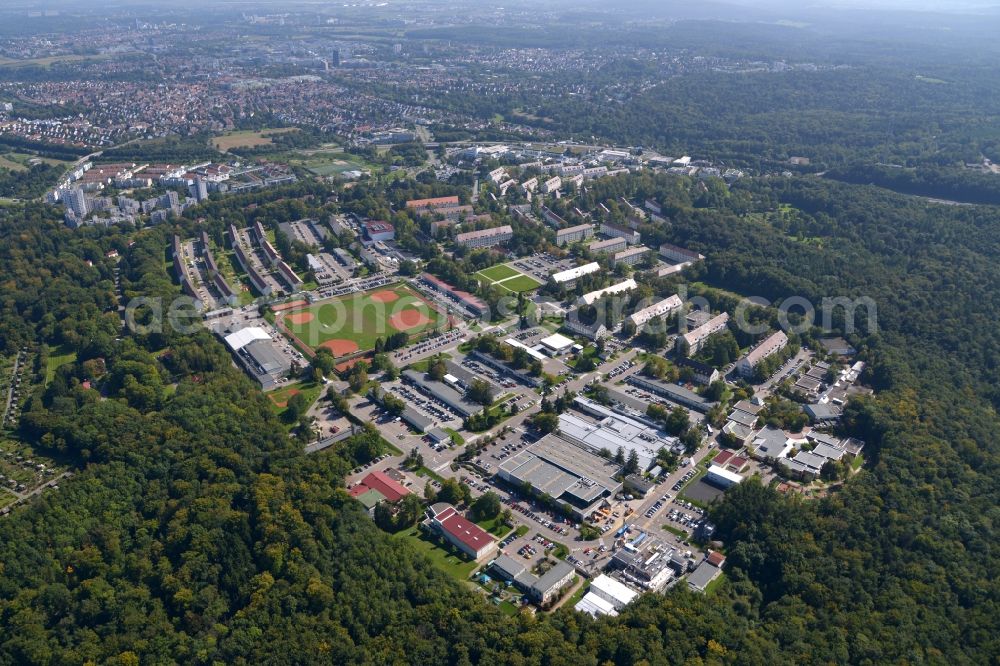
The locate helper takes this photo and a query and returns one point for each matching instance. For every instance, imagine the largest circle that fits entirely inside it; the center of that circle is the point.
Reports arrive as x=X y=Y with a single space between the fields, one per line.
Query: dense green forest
x=195 y=531
x=965 y=186
x=28 y=183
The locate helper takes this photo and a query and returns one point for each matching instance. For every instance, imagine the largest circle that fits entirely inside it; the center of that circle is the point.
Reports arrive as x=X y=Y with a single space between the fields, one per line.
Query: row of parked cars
x=362 y=468
x=482 y=370
x=685 y=519
x=620 y=368
x=651 y=511
x=538 y=518
x=430 y=345
x=684 y=479
x=428 y=405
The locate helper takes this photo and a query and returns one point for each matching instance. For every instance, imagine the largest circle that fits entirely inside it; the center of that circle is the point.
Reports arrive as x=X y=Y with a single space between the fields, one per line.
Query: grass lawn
x=715 y=584
x=49 y=60
x=7 y=163
x=456 y=439
x=521 y=530
x=426 y=472
x=580 y=593
x=857 y=463
x=248 y=138
x=676 y=531
x=508 y=608
x=521 y=283
x=495 y=526
x=423 y=364
x=355 y=321
x=58 y=358
x=508 y=279
x=498 y=272
x=327 y=160
x=560 y=551
x=279 y=398
x=458 y=567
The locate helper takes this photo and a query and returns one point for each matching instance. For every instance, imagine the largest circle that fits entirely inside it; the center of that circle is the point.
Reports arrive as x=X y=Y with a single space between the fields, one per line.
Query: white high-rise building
x=199 y=189
x=76 y=201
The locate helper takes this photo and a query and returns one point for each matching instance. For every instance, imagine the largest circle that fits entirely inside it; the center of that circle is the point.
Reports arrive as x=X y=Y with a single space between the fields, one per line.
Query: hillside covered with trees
x=195 y=531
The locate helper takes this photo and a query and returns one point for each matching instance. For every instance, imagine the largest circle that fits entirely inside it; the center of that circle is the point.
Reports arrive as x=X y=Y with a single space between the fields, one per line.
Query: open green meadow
x=354 y=322
x=248 y=138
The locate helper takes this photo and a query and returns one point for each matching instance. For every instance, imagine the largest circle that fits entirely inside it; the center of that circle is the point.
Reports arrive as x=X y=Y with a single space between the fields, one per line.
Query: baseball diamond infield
x=353 y=322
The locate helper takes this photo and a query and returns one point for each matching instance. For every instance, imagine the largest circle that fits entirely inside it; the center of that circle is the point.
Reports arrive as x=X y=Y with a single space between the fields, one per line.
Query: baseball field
x=353 y=322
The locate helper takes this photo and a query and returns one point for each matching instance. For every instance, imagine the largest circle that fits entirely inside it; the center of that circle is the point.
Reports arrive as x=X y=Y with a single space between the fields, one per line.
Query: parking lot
x=430 y=346
x=435 y=409
x=540 y=266
x=249 y=317
x=486 y=372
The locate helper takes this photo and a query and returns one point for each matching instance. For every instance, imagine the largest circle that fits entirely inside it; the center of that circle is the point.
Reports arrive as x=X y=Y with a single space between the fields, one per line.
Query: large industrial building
x=256 y=352
x=608 y=430
x=440 y=391
x=564 y=471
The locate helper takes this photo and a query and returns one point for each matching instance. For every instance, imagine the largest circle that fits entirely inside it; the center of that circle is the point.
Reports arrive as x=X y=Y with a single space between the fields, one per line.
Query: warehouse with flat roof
x=564 y=471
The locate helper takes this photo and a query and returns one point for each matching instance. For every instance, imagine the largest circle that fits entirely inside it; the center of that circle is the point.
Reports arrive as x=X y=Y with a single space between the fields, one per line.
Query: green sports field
x=508 y=278
x=498 y=272
x=354 y=322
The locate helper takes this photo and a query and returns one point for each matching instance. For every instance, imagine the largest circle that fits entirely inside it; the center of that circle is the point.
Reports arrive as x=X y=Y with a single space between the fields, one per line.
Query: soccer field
x=354 y=322
x=508 y=279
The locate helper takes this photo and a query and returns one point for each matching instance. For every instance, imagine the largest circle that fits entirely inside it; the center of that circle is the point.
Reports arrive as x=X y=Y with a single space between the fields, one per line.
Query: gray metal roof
x=443 y=392
x=552 y=577
x=267 y=357
x=702 y=576
x=557 y=467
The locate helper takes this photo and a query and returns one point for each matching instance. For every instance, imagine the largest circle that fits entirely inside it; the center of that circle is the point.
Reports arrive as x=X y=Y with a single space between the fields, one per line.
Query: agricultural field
x=248 y=138
x=354 y=322
x=508 y=278
x=16 y=161
x=48 y=61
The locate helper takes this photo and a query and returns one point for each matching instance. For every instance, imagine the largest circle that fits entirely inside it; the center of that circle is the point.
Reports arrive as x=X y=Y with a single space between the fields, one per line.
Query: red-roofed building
x=738 y=463
x=473 y=303
x=460 y=532
x=716 y=559
x=430 y=203
x=381 y=483
x=722 y=458
x=380 y=231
